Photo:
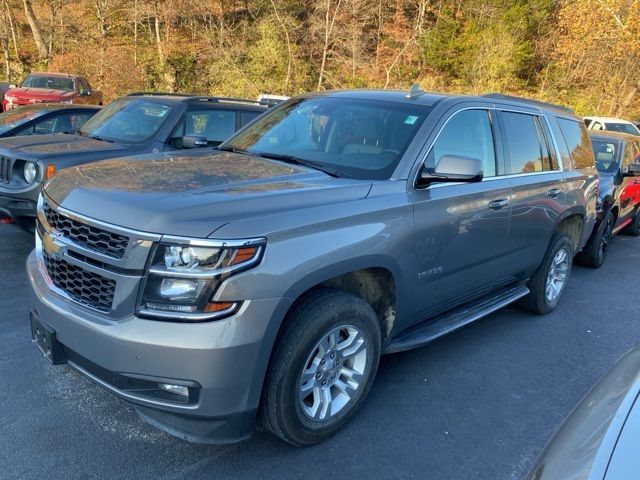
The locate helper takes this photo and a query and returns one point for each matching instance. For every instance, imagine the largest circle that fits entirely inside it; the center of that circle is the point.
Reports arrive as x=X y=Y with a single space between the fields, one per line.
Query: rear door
x=461 y=229
x=538 y=196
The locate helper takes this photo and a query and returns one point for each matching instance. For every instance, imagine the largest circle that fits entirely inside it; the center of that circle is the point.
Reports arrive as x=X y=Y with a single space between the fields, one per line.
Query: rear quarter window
x=576 y=139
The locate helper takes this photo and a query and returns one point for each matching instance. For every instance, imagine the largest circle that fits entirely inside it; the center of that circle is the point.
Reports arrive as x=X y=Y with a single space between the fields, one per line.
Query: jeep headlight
x=30 y=172
x=182 y=278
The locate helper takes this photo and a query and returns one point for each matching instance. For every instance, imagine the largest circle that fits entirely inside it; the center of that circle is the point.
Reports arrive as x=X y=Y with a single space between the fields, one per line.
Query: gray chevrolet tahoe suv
x=264 y=280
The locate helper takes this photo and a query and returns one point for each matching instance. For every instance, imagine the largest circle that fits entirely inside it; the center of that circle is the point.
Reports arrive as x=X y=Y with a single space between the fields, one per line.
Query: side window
x=628 y=155
x=216 y=125
x=44 y=127
x=247 y=117
x=525 y=146
x=25 y=131
x=79 y=119
x=577 y=141
x=597 y=126
x=467 y=133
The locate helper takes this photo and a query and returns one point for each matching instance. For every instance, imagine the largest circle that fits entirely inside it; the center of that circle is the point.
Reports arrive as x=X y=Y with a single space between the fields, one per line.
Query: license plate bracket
x=45 y=338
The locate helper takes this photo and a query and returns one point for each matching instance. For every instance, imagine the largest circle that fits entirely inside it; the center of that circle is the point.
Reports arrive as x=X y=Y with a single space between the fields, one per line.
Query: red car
x=51 y=88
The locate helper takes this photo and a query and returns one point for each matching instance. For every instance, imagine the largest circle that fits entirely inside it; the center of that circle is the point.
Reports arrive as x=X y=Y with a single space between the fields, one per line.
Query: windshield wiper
x=300 y=161
x=235 y=150
x=96 y=137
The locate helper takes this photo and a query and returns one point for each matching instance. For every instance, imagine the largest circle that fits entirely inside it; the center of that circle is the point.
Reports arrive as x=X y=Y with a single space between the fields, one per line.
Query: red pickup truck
x=51 y=88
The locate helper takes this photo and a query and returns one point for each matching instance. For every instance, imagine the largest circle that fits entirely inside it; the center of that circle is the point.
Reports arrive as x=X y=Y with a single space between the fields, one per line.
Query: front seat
x=365 y=137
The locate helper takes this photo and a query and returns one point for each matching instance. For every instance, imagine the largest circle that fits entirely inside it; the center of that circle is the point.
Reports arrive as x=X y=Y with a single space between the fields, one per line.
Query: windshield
x=55 y=83
x=606 y=154
x=14 y=118
x=127 y=121
x=354 y=138
x=624 y=128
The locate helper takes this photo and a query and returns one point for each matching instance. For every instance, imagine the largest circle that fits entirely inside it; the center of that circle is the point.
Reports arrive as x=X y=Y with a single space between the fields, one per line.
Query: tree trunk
x=289 y=51
x=35 y=30
x=328 y=27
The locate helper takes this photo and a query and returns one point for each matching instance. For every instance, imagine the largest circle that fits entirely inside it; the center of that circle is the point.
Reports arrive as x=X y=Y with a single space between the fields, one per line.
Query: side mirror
x=85 y=92
x=194 y=141
x=633 y=170
x=453 y=168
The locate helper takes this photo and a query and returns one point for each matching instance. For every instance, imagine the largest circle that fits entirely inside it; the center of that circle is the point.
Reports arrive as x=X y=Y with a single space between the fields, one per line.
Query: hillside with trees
x=582 y=53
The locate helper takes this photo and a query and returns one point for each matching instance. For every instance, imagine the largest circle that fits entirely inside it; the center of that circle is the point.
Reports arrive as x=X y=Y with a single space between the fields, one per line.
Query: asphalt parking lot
x=478 y=404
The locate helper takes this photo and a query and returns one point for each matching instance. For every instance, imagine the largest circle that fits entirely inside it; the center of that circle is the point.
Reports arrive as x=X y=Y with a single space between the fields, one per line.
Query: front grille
x=86 y=288
x=89 y=237
x=6 y=169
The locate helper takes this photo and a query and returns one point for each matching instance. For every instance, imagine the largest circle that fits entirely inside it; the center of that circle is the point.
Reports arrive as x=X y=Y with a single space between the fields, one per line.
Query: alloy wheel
x=607 y=233
x=557 y=275
x=333 y=373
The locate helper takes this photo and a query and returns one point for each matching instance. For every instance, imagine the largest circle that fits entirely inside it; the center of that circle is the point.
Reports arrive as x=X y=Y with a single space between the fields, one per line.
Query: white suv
x=611 y=124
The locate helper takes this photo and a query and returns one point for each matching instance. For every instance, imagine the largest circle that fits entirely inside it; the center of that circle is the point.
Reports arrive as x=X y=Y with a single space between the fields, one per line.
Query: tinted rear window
x=577 y=141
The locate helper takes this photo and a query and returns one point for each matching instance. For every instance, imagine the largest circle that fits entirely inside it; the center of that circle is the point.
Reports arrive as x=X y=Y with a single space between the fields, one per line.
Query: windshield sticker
x=410 y=120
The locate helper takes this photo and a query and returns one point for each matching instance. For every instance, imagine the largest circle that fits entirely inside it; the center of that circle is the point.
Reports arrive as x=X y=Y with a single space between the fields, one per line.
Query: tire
x=288 y=402
x=633 y=228
x=596 y=250
x=537 y=300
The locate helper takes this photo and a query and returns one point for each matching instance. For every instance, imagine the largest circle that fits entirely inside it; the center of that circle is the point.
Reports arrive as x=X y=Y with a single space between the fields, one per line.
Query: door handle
x=499 y=204
x=554 y=192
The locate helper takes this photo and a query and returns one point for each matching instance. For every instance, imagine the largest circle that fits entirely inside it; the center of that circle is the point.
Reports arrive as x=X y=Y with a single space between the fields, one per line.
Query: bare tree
x=329 y=22
x=38 y=38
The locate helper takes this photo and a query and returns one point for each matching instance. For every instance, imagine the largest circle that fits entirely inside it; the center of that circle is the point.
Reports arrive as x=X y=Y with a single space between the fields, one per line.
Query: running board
x=433 y=329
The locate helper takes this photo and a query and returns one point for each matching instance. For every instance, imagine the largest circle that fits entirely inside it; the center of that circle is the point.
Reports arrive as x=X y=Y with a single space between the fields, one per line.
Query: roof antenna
x=414 y=92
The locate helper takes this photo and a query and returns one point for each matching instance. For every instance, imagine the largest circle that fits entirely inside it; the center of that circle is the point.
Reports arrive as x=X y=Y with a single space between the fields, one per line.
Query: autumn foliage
x=583 y=53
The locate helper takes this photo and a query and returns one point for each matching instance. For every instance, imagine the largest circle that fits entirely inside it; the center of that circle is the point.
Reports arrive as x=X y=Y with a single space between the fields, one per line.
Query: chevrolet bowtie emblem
x=53 y=246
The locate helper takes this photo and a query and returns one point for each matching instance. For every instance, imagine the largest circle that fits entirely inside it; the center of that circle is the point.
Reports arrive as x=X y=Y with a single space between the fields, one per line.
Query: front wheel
x=548 y=282
x=322 y=368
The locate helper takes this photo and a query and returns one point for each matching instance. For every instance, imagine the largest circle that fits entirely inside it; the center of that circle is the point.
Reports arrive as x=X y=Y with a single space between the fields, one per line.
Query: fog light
x=176 y=389
x=181 y=289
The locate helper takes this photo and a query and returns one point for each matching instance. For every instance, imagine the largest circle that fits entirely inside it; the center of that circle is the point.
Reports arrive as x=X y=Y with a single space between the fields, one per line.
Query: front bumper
x=223 y=361
x=19 y=205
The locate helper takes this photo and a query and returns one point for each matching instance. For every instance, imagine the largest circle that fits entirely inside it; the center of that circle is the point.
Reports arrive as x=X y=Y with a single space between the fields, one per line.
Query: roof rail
x=159 y=94
x=539 y=103
x=202 y=98
x=230 y=100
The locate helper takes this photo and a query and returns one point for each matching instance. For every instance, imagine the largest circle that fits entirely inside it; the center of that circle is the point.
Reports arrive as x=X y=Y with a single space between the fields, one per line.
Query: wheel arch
x=358 y=276
x=572 y=223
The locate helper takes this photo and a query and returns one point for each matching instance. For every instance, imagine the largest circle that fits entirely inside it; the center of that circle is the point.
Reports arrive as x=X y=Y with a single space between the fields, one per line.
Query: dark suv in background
x=618 y=162
x=265 y=279
x=135 y=124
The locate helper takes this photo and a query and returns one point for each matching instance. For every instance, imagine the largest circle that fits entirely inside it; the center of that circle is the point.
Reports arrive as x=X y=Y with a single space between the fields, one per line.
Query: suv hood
x=192 y=194
x=39 y=93
x=36 y=147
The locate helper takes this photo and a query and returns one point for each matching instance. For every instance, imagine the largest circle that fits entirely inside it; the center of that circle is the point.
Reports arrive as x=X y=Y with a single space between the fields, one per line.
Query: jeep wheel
x=322 y=368
x=548 y=283
x=596 y=251
x=633 y=228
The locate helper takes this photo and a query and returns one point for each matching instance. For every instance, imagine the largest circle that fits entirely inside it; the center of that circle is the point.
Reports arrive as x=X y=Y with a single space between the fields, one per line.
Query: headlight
x=30 y=172
x=66 y=101
x=182 y=278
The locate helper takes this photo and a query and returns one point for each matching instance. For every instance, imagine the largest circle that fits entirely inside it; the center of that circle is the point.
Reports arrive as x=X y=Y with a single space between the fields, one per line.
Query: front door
x=462 y=229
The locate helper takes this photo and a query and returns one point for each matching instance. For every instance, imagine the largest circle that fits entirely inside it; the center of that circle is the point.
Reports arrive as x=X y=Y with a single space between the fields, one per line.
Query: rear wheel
x=322 y=368
x=596 y=251
x=633 y=228
x=549 y=280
